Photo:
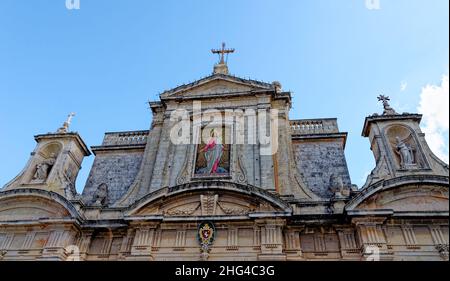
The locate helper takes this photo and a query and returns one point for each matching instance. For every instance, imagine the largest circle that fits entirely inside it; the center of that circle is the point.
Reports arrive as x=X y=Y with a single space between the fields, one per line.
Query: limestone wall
x=317 y=160
x=116 y=164
x=245 y=240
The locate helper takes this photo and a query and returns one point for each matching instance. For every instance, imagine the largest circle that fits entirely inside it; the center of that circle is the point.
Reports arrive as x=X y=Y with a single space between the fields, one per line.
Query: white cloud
x=403 y=85
x=434 y=105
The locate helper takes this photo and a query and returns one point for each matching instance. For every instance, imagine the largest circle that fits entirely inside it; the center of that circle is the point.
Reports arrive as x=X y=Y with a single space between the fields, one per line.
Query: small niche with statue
x=405 y=151
x=45 y=160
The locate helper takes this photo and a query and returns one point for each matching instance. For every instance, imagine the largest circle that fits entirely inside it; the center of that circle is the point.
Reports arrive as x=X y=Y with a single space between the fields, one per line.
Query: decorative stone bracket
x=272 y=239
x=372 y=238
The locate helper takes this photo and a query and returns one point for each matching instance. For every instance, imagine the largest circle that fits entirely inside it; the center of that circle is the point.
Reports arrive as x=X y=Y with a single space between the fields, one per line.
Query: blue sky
x=107 y=59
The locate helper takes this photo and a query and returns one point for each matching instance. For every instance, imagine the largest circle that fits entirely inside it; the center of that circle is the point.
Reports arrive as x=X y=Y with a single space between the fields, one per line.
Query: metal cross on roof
x=222 y=52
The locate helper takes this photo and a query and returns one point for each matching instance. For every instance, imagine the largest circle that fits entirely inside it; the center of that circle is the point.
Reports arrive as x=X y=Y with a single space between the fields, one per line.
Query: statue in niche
x=405 y=152
x=43 y=168
x=337 y=186
x=101 y=195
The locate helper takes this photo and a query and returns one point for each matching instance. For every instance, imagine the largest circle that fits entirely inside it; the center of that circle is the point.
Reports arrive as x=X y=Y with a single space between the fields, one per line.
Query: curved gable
x=409 y=198
x=409 y=195
x=34 y=204
x=218 y=199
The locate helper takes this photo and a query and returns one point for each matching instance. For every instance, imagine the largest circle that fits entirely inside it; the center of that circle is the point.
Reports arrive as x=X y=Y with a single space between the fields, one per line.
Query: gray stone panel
x=317 y=161
x=116 y=169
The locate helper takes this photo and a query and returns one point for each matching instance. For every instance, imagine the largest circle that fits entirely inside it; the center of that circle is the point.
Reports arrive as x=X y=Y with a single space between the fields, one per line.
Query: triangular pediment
x=216 y=85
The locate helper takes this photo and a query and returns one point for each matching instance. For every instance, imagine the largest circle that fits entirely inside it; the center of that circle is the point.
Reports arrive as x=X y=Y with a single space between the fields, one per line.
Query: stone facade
x=144 y=201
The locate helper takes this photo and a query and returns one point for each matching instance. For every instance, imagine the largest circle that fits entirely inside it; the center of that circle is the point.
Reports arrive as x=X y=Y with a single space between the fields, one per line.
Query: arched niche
x=50 y=149
x=44 y=161
x=401 y=137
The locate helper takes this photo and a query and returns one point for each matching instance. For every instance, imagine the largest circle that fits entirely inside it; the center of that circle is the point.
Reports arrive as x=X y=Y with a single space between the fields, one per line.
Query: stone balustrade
x=314 y=126
x=125 y=138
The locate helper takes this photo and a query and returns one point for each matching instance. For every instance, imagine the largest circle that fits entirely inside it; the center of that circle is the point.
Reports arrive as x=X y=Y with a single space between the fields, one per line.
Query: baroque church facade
x=200 y=194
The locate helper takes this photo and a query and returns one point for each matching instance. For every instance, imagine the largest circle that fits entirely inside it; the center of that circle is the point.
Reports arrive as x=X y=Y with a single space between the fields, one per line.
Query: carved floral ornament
x=210 y=205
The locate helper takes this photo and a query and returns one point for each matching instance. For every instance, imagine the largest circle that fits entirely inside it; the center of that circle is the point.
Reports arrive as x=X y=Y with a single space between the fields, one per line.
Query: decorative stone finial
x=277 y=86
x=221 y=67
x=388 y=110
x=65 y=126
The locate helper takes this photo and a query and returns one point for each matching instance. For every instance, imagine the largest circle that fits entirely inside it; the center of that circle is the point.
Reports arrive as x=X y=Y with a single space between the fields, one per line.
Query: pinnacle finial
x=65 y=127
x=388 y=110
x=222 y=67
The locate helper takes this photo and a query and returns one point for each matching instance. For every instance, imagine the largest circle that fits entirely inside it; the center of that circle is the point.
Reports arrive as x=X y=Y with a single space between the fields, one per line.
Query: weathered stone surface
x=318 y=160
x=143 y=201
x=116 y=170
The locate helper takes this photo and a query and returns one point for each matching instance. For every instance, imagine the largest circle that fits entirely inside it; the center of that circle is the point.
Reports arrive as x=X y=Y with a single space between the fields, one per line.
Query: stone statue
x=43 y=169
x=65 y=127
x=337 y=186
x=277 y=86
x=68 y=179
x=101 y=196
x=405 y=152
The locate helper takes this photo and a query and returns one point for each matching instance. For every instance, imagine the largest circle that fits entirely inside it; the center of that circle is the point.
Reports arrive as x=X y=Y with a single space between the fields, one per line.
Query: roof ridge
x=199 y=81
